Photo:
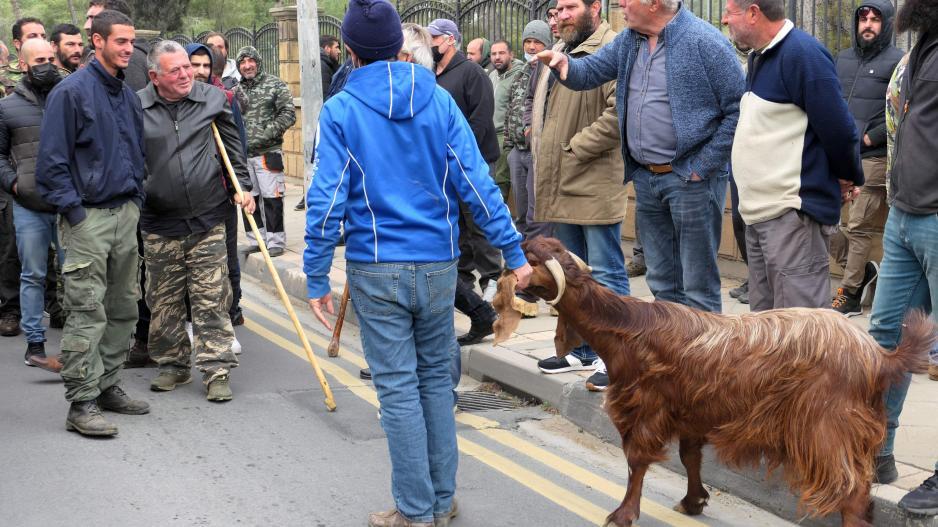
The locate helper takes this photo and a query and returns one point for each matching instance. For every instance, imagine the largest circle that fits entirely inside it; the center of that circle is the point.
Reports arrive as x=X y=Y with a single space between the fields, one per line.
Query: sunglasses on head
x=867 y=11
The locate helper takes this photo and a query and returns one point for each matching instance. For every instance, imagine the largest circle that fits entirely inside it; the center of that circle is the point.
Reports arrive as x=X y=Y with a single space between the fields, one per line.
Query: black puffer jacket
x=472 y=90
x=20 y=119
x=864 y=74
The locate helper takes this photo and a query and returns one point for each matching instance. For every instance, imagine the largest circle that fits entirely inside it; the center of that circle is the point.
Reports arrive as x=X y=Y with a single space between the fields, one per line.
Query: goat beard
x=508 y=316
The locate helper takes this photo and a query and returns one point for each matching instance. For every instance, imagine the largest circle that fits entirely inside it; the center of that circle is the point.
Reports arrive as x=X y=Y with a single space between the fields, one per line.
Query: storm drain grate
x=475 y=401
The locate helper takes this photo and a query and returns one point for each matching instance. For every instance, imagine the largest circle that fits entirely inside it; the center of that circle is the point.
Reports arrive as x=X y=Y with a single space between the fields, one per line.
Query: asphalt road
x=274 y=456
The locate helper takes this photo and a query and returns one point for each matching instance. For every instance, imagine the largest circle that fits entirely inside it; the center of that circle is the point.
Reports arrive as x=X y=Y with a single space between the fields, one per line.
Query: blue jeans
x=680 y=221
x=35 y=231
x=908 y=279
x=601 y=247
x=406 y=315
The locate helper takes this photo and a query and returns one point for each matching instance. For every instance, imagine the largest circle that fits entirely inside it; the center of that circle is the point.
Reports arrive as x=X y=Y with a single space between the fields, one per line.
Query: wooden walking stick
x=330 y=401
x=333 y=349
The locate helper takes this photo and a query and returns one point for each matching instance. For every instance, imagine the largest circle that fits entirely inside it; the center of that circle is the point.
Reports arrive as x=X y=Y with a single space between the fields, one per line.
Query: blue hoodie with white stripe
x=394 y=156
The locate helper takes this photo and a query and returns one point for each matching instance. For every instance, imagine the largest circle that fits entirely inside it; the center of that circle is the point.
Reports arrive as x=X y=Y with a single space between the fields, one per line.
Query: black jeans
x=9 y=259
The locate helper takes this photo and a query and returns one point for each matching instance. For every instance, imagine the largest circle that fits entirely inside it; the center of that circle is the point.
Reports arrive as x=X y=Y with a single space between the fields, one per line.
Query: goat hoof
x=690 y=509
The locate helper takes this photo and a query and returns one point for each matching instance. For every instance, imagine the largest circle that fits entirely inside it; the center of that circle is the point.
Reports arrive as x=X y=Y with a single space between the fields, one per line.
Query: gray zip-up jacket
x=185 y=175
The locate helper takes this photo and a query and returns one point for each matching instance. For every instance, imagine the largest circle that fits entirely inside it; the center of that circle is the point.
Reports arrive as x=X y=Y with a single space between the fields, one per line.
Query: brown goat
x=799 y=388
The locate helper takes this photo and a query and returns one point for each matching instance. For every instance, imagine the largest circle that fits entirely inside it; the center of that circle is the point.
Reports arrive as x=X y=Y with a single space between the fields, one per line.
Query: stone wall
x=290 y=73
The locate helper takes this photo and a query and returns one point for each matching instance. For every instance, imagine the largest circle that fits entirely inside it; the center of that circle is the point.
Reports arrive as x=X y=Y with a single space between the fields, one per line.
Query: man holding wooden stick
x=183 y=221
x=401 y=227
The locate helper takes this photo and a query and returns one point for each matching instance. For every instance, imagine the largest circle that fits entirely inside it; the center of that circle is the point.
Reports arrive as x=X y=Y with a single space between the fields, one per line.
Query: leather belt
x=660 y=169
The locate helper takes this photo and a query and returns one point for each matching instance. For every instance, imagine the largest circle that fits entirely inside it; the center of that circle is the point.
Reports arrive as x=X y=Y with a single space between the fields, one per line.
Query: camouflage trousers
x=197 y=265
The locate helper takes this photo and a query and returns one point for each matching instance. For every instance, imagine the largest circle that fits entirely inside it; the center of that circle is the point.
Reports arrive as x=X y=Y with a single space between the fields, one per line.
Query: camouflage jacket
x=269 y=112
x=10 y=75
x=514 y=114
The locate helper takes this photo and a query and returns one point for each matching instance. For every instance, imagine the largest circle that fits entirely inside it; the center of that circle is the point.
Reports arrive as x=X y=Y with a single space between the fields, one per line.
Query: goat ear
x=508 y=317
x=565 y=337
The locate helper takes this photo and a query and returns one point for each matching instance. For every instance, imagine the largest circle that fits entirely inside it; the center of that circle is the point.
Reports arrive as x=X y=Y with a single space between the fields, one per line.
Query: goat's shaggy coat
x=799 y=388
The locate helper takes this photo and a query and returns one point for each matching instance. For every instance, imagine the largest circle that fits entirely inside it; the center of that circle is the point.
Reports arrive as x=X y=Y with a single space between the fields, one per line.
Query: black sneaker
x=737 y=292
x=924 y=499
x=36 y=350
x=846 y=303
x=301 y=205
x=886 y=471
x=569 y=363
x=870 y=274
x=598 y=381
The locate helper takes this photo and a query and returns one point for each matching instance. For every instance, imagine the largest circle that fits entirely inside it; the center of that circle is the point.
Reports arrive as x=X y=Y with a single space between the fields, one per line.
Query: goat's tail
x=918 y=338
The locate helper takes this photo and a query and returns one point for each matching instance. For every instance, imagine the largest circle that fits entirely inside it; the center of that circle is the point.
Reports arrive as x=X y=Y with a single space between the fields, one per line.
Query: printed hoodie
x=394 y=157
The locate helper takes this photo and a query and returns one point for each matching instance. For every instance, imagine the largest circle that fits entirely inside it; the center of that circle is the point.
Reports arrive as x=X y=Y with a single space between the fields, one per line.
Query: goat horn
x=580 y=263
x=556 y=270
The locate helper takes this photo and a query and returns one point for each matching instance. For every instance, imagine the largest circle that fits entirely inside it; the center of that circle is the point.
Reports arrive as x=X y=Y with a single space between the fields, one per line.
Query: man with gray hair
x=793 y=109
x=183 y=221
x=416 y=48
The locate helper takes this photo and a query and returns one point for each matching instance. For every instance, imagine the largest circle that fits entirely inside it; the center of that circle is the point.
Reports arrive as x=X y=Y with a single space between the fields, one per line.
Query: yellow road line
x=487 y=427
x=566 y=499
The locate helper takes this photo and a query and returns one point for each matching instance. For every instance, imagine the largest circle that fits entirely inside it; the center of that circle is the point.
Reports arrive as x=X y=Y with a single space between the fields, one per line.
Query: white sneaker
x=236 y=346
x=189 y=332
x=490 y=291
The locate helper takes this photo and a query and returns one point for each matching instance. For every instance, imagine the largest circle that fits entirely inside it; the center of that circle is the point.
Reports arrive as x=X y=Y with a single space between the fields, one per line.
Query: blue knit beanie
x=372 y=29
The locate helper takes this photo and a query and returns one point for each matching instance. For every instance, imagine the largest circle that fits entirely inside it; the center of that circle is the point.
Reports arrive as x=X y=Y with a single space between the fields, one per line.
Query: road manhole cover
x=476 y=401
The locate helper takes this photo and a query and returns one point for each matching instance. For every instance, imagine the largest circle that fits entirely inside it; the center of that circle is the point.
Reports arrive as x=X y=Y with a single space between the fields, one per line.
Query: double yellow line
x=486 y=427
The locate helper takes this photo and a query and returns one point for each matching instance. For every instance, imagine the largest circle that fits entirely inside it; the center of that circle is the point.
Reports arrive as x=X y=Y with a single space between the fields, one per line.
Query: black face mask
x=44 y=76
x=437 y=56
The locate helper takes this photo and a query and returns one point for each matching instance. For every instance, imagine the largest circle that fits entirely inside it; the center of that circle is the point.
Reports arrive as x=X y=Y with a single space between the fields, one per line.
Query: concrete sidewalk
x=513 y=364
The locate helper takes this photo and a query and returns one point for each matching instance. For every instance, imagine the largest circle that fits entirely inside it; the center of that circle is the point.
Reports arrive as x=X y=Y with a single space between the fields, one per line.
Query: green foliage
x=214 y=15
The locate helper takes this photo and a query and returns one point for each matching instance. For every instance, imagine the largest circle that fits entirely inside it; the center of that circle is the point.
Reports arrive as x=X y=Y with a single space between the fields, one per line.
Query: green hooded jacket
x=269 y=112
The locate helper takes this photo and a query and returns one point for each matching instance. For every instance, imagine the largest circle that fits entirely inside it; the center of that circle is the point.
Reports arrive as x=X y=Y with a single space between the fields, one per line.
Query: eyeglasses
x=866 y=11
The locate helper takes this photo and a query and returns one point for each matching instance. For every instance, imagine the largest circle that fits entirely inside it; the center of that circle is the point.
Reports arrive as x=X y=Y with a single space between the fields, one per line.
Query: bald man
x=34 y=219
x=478 y=50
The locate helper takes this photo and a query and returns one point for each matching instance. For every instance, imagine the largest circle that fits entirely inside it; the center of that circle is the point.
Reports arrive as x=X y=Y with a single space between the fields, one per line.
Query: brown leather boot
x=9 y=324
x=138 y=357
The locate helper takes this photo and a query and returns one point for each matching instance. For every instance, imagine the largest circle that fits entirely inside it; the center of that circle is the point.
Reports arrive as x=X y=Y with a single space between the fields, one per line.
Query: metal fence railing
x=265 y=38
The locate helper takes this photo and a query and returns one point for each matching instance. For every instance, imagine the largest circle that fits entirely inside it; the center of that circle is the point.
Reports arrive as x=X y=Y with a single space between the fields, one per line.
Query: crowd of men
x=119 y=223
x=118 y=219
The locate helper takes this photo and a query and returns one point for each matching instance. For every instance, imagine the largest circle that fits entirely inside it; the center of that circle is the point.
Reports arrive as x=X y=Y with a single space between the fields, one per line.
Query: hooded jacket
x=232 y=99
x=472 y=90
x=400 y=207
x=20 y=120
x=91 y=153
x=502 y=85
x=270 y=111
x=864 y=75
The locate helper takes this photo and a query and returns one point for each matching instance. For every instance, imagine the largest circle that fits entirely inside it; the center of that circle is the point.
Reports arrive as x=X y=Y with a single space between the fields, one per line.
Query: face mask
x=529 y=57
x=44 y=76
x=437 y=56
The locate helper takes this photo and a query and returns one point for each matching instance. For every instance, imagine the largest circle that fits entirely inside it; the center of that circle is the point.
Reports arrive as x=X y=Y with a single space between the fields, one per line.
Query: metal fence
x=266 y=39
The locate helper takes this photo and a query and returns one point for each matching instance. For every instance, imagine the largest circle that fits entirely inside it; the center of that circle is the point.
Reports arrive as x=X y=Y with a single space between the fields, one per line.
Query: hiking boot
x=138 y=356
x=598 y=381
x=301 y=205
x=846 y=303
x=743 y=298
x=36 y=357
x=219 y=389
x=115 y=399
x=365 y=373
x=886 y=471
x=443 y=519
x=85 y=418
x=565 y=364
x=924 y=499
x=9 y=324
x=736 y=292
x=527 y=309
x=482 y=319
x=393 y=518
x=870 y=274
x=167 y=380
x=636 y=268
x=933 y=372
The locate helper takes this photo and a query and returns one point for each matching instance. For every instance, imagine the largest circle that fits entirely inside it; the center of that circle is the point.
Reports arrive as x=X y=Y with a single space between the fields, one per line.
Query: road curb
x=567 y=393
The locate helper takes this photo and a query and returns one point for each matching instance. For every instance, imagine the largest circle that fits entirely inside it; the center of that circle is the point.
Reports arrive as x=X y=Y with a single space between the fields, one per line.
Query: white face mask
x=529 y=57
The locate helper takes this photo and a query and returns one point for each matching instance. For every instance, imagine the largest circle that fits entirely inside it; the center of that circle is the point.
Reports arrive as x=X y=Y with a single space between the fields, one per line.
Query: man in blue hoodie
x=401 y=216
x=90 y=167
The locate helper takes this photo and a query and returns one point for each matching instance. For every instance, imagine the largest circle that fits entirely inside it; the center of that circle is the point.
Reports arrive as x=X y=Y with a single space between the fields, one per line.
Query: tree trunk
x=17 y=13
x=72 y=13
